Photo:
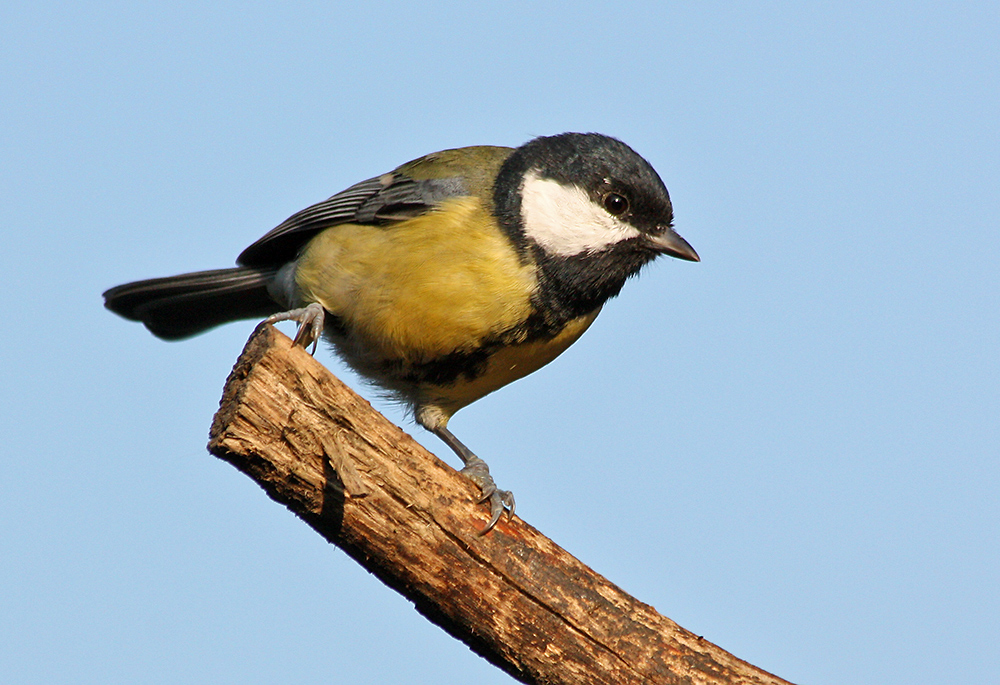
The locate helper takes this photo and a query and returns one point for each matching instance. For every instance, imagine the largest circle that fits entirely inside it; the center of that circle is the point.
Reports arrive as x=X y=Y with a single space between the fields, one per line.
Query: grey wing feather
x=380 y=200
x=282 y=243
x=406 y=198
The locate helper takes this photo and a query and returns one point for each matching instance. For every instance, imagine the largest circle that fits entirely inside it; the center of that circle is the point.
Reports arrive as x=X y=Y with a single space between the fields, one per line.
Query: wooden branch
x=513 y=596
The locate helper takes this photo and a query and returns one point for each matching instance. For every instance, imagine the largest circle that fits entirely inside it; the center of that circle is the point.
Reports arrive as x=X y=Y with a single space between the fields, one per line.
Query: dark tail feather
x=181 y=306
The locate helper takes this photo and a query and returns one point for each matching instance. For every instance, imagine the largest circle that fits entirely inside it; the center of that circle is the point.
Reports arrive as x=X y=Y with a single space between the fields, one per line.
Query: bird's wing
x=384 y=199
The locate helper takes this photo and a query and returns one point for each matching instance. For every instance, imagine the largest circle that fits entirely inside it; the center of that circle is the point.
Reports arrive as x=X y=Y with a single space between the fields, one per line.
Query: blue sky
x=791 y=448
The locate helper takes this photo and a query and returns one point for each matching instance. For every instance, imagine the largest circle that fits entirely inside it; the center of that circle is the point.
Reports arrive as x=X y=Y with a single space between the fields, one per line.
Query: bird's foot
x=310 y=320
x=500 y=501
x=475 y=468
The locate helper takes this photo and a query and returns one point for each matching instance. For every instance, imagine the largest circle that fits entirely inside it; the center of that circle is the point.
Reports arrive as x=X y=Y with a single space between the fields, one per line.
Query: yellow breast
x=421 y=288
x=505 y=365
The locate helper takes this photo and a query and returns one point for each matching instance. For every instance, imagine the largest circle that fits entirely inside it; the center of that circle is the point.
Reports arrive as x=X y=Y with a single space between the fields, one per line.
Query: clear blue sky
x=791 y=448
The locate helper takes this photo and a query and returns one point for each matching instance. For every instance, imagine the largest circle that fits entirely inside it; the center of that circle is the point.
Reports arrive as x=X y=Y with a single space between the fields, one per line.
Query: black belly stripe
x=470 y=364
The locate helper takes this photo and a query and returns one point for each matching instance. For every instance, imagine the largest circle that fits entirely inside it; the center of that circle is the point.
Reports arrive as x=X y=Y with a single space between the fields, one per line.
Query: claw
x=310 y=320
x=476 y=470
x=500 y=501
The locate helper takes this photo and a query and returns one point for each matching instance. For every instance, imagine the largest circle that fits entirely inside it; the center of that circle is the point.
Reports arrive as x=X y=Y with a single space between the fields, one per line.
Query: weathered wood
x=513 y=596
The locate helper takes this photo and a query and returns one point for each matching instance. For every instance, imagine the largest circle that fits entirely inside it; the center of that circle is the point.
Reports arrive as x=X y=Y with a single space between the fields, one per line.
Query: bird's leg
x=310 y=319
x=478 y=472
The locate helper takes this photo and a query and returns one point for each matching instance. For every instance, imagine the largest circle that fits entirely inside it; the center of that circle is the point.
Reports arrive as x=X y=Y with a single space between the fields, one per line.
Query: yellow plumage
x=428 y=287
x=506 y=365
x=422 y=288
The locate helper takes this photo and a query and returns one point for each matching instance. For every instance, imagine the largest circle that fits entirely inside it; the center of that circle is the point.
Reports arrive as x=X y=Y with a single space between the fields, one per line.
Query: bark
x=513 y=595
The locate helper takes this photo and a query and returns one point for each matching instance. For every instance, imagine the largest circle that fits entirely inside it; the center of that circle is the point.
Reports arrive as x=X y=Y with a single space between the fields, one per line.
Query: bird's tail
x=181 y=306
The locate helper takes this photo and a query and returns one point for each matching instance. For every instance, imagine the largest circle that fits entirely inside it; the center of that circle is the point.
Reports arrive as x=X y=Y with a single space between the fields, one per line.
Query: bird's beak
x=672 y=244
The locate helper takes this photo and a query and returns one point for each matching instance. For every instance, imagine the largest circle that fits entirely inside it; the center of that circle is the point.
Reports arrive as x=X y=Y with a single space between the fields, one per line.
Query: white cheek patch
x=564 y=221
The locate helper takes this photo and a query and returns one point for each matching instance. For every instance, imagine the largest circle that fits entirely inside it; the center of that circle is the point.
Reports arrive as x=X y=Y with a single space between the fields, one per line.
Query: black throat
x=569 y=287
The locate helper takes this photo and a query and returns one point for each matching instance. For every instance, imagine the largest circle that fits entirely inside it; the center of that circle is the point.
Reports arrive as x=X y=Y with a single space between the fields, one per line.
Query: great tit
x=447 y=278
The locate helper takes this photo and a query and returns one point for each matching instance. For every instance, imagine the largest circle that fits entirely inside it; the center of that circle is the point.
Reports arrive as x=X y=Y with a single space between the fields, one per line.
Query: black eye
x=615 y=204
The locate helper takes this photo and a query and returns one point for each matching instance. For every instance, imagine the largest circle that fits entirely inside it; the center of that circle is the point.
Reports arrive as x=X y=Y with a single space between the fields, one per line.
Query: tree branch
x=513 y=596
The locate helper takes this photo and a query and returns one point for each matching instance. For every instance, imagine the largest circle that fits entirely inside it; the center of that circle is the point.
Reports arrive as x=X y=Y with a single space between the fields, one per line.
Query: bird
x=445 y=279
